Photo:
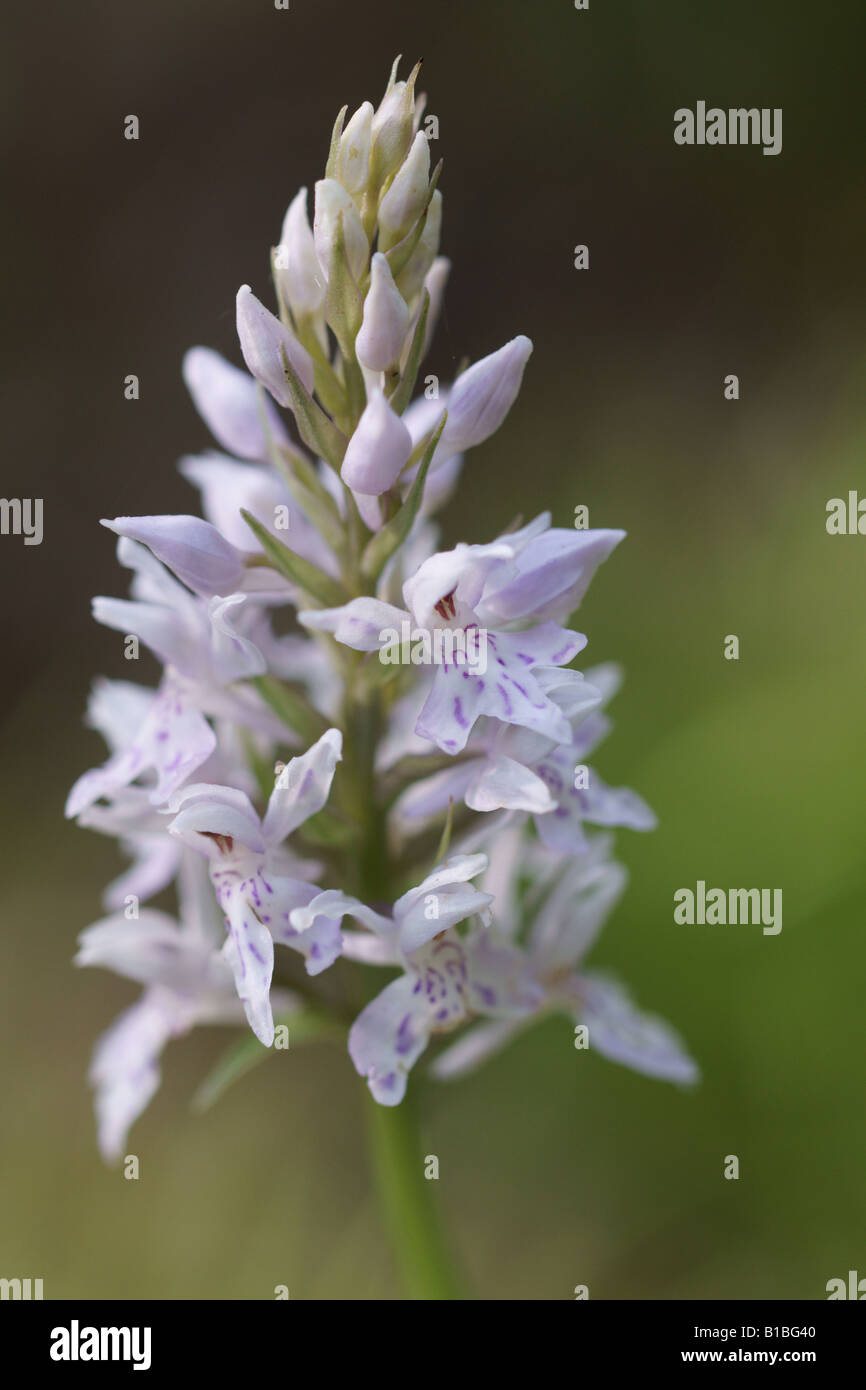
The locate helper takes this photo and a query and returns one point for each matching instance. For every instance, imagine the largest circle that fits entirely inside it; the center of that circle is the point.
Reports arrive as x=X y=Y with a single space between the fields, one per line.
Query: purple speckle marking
x=404 y=1034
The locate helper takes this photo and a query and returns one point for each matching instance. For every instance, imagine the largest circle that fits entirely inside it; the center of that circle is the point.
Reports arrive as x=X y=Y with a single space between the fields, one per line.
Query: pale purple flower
x=205 y=655
x=518 y=579
x=199 y=638
x=173 y=740
x=248 y=870
x=487 y=714
x=187 y=980
x=120 y=711
x=566 y=912
x=516 y=769
x=447 y=979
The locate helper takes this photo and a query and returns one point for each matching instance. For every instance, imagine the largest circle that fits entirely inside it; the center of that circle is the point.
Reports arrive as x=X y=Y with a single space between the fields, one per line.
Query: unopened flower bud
x=353 y=158
x=192 y=548
x=404 y=202
x=296 y=265
x=413 y=274
x=392 y=127
x=386 y=320
x=333 y=203
x=378 y=450
x=263 y=340
x=481 y=398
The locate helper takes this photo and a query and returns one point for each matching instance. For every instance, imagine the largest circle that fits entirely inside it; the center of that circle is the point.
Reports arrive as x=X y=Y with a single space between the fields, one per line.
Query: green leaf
x=307 y=1025
x=321 y=510
x=344 y=301
x=292 y=708
x=402 y=395
x=317 y=429
x=306 y=575
x=380 y=549
x=333 y=152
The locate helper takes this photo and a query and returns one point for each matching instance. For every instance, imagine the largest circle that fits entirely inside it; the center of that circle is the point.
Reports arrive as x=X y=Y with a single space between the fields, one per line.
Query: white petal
x=300 y=279
x=576 y=908
x=150 y=949
x=206 y=810
x=233 y=657
x=117 y=709
x=502 y=782
x=231 y=404
x=432 y=794
x=250 y=953
x=389 y=1036
x=227 y=486
x=335 y=905
x=356 y=624
x=125 y=1069
x=481 y=398
x=160 y=628
x=443 y=899
x=173 y=742
x=620 y=1032
x=302 y=787
x=369 y=949
x=553 y=572
x=191 y=547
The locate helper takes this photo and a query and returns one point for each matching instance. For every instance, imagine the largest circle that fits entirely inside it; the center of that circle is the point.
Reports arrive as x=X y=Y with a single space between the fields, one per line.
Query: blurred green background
x=557 y=1168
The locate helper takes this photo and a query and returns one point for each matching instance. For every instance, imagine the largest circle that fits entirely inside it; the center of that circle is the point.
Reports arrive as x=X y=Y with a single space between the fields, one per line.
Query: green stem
x=406 y=1200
